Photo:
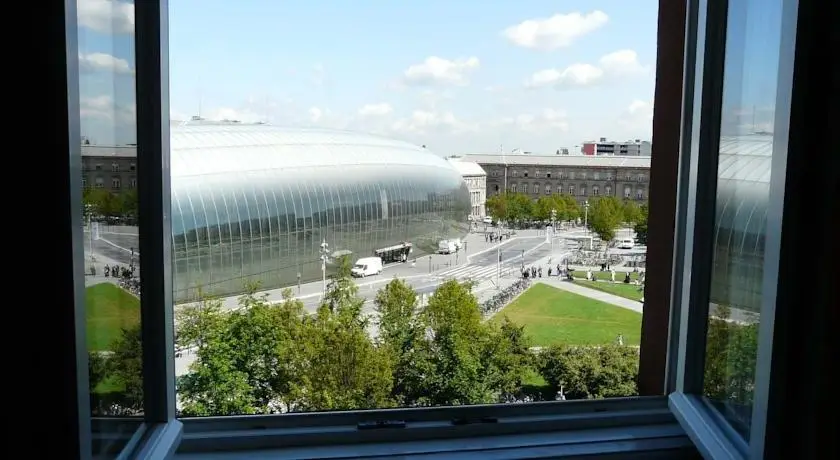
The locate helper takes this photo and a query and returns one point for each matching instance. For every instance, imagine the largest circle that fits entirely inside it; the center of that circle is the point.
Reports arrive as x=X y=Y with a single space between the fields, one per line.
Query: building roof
x=593 y=161
x=200 y=149
x=467 y=168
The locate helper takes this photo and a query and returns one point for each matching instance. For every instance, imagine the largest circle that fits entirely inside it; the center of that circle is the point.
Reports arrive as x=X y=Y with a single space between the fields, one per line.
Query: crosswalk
x=472 y=272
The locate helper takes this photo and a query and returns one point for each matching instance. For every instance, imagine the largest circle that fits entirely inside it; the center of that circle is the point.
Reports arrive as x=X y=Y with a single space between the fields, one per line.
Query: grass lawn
x=553 y=316
x=619 y=276
x=628 y=291
x=109 y=309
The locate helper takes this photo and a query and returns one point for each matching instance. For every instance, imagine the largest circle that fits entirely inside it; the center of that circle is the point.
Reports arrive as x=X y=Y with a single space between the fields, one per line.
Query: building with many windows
x=580 y=176
x=633 y=148
x=113 y=168
x=255 y=203
x=476 y=180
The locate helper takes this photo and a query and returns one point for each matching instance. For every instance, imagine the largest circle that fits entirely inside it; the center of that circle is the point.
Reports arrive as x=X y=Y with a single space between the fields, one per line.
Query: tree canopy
x=519 y=207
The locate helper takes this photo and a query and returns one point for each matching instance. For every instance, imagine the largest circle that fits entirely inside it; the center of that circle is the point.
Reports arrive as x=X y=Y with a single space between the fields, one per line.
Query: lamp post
x=325 y=250
x=499 y=257
x=553 y=219
x=586 y=221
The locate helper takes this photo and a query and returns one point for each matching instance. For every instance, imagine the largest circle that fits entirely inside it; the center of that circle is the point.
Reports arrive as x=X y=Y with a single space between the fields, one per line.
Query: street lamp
x=553 y=219
x=499 y=257
x=586 y=221
x=325 y=250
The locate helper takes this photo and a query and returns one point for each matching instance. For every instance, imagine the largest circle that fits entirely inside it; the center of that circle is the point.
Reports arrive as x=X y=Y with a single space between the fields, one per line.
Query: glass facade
x=253 y=203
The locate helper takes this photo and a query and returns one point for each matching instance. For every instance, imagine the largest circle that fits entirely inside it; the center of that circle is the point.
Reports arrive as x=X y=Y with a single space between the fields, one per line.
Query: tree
x=731 y=350
x=641 y=227
x=507 y=357
x=345 y=370
x=195 y=321
x=97 y=368
x=497 y=206
x=591 y=372
x=630 y=212
x=396 y=307
x=571 y=208
x=125 y=366
x=519 y=207
x=249 y=361
x=605 y=215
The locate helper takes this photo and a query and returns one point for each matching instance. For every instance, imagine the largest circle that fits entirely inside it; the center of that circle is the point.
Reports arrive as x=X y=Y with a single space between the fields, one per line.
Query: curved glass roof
x=204 y=149
x=743 y=188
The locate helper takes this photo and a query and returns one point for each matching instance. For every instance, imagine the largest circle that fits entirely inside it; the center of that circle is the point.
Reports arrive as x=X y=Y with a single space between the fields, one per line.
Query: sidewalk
x=593 y=293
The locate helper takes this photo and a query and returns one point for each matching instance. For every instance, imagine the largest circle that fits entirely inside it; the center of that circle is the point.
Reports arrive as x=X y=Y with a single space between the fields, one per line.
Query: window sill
x=624 y=428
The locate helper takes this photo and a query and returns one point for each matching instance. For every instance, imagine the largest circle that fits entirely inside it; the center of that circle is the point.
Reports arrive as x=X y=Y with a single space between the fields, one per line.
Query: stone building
x=476 y=180
x=580 y=176
x=113 y=168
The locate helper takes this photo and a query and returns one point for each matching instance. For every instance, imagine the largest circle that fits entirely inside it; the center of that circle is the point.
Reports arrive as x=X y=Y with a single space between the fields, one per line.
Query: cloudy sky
x=459 y=76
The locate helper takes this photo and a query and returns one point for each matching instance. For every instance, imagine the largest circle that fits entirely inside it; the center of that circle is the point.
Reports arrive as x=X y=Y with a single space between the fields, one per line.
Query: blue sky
x=460 y=77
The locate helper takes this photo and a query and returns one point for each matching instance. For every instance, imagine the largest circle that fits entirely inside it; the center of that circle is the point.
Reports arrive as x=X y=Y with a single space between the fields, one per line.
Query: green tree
x=571 y=207
x=605 y=215
x=195 y=321
x=345 y=370
x=128 y=203
x=519 y=207
x=125 y=366
x=97 y=368
x=497 y=206
x=507 y=357
x=396 y=307
x=249 y=361
x=731 y=351
x=449 y=364
x=591 y=372
x=641 y=226
x=631 y=212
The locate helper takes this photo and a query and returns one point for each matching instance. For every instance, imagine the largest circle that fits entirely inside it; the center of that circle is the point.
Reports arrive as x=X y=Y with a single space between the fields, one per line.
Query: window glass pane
x=744 y=169
x=261 y=181
x=112 y=248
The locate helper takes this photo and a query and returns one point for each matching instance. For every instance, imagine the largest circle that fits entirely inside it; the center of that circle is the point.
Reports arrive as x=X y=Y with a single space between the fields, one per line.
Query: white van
x=447 y=247
x=625 y=243
x=367 y=266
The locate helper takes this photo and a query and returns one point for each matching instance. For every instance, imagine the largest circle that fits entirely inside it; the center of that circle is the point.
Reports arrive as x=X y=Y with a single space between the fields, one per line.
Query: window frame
x=162 y=433
x=693 y=238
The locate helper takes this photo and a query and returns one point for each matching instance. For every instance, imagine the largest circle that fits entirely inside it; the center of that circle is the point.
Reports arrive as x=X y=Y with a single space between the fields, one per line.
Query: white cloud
x=544 y=120
x=106 y=16
x=622 y=63
x=558 y=31
x=104 y=108
x=636 y=120
x=427 y=122
x=619 y=64
x=375 y=110
x=95 y=62
x=439 y=71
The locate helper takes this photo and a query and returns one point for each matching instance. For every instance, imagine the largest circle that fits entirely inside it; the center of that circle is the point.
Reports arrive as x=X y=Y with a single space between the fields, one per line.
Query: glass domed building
x=743 y=190
x=253 y=203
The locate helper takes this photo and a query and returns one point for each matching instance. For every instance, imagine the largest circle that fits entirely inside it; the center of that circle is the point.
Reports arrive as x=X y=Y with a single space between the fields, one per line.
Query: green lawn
x=619 y=276
x=553 y=316
x=628 y=291
x=109 y=309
